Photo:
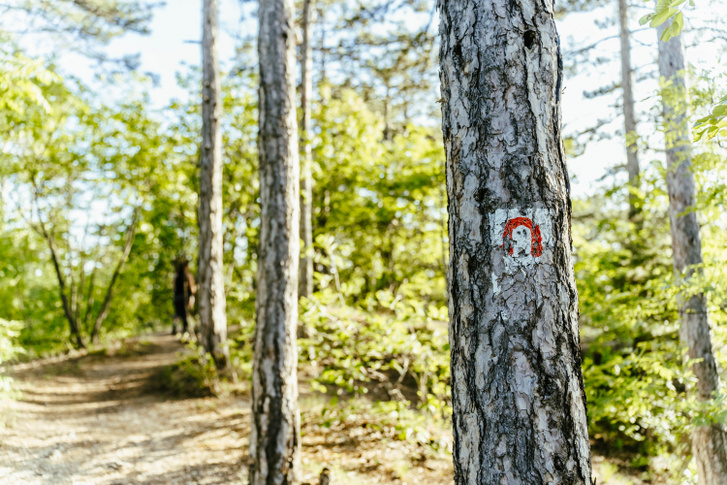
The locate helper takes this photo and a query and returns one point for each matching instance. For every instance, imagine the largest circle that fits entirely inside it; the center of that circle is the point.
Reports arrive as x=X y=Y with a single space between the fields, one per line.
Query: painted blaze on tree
x=517 y=388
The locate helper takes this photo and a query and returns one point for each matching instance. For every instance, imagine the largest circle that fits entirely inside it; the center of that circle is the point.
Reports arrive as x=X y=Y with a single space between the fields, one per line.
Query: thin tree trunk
x=387 y=128
x=627 y=79
x=709 y=443
x=306 y=196
x=322 y=43
x=106 y=305
x=73 y=286
x=212 y=304
x=275 y=438
x=72 y=322
x=517 y=388
x=89 y=301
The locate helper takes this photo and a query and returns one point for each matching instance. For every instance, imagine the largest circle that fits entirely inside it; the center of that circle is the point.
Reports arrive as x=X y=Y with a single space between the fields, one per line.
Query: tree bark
x=212 y=304
x=275 y=438
x=709 y=443
x=517 y=387
x=306 y=197
x=627 y=80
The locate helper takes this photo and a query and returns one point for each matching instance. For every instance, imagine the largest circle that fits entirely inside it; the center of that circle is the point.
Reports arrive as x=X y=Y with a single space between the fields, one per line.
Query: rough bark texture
x=212 y=304
x=275 y=438
x=517 y=388
x=709 y=443
x=627 y=80
x=306 y=193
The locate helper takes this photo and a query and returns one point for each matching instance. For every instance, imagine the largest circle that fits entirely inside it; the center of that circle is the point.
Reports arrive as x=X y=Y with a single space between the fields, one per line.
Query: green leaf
x=679 y=21
x=672 y=31
x=662 y=17
x=719 y=111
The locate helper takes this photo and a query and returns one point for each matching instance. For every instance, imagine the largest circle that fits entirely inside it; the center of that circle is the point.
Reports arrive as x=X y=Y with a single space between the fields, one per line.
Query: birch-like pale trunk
x=275 y=437
x=627 y=82
x=306 y=194
x=517 y=387
x=709 y=443
x=212 y=304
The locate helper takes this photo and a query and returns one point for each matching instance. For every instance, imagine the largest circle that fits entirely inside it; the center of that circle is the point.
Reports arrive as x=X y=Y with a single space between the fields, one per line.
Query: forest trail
x=91 y=419
x=97 y=419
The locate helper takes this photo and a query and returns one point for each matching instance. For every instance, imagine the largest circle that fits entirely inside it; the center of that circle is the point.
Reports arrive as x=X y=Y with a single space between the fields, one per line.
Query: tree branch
x=43 y=231
x=106 y=305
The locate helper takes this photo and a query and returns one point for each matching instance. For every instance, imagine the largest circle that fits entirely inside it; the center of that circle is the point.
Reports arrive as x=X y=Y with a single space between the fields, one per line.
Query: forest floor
x=99 y=418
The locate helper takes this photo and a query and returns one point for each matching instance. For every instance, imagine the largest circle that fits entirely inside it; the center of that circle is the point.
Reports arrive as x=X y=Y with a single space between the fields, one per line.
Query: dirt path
x=93 y=419
x=90 y=420
x=97 y=419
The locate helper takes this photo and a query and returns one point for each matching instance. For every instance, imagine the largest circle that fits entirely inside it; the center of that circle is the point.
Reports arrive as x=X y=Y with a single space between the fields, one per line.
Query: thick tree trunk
x=275 y=438
x=306 y=194
x=517 y=387
x=212 y=305
x=709 y=443
x=627 y=80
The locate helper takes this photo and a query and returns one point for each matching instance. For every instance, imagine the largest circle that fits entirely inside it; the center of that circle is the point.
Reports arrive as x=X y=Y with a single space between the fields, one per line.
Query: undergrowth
x=192 y=375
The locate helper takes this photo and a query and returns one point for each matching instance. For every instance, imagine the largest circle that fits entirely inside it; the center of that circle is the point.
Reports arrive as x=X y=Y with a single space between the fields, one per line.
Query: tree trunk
x=275 y=438
x=212 y=305
x=517 y=387
x=106 y=305
x=48 y=236
x=627 y=80
x=709 y=443
x=72 y=322
x=306 y=196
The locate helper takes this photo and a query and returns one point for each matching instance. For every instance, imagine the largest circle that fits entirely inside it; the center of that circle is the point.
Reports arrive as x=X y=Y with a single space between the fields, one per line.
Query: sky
x=176 y=30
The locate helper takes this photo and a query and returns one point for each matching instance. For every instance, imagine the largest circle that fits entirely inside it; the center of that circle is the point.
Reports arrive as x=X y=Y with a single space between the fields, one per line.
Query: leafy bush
x=192 y=376
x=9 y=332
x=392 y=419
x=396 y=350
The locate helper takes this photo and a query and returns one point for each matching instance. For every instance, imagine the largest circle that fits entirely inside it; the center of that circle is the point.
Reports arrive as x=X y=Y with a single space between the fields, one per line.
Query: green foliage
x=9 y=332
x=84 y=167
x=92 y=21
x=380 y=219
x=636 y=379
x=191 y=376
x=629 y=322
x=393 y=420
x=396 y=350
x=9 y=349
x=665 y=10
x=714 y=123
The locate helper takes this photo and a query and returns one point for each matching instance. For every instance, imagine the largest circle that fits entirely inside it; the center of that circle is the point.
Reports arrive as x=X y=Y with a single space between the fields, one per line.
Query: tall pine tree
x=275 y=439
x=517 y=388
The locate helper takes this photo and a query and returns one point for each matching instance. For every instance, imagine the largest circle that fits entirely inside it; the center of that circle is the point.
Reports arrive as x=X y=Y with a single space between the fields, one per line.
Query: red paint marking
x=536 y=243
